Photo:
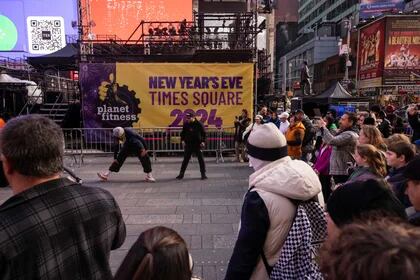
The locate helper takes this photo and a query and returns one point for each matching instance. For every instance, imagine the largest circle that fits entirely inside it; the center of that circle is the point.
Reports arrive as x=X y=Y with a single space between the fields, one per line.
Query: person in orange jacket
x=294 y=137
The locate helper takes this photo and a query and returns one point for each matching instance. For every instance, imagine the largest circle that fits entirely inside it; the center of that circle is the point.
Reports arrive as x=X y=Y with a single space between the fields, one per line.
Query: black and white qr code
x=45 y=34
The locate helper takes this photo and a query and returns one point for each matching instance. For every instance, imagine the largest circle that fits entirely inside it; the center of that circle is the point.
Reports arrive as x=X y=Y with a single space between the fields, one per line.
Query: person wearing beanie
x=269 y=207
x=133 y=143
x=412 y=175
x=193 y=138
x=360 y=200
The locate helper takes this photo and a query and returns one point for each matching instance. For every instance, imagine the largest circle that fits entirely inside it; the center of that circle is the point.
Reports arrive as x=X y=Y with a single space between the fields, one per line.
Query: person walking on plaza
x=241 y=123
x=133 y=144
x=193 y=138
x=52 y=228
x=343 y=143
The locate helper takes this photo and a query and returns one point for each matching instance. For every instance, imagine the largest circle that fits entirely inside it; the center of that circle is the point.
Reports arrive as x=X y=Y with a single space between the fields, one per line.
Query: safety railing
x=80 y=142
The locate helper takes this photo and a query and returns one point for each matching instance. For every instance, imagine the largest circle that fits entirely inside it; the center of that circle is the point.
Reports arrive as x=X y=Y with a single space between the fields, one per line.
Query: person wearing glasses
x=193 y=138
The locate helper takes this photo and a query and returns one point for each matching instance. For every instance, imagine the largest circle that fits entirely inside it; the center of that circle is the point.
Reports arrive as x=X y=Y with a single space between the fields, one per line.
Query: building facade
x=314 y=12
x=310 y=48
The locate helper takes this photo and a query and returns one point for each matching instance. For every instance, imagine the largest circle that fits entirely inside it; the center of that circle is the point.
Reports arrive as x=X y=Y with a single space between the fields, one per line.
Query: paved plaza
x=206 y=213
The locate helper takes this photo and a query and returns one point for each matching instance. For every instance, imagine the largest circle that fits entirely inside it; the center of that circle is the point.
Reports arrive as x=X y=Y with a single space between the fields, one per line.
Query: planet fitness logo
x=118 y=106
x=8 y=34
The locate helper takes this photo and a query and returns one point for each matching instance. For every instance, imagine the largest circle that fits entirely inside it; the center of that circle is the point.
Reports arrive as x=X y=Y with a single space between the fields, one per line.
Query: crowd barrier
x=80 y=142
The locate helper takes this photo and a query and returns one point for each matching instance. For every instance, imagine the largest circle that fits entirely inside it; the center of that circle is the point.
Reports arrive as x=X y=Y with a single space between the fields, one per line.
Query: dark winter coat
x=385 y=128
x=399 y=183
x=133 y=143
x=240 y=125
x=267 y=215
x=415 y=125
x=276 y=122
x=362 y=173
x=193 y=133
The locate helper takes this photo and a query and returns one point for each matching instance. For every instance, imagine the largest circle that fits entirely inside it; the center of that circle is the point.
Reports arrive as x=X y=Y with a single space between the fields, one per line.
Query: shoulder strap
x=268 y=268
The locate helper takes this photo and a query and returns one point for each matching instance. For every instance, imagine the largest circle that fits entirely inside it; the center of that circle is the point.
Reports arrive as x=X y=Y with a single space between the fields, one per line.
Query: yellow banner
x=216 y=93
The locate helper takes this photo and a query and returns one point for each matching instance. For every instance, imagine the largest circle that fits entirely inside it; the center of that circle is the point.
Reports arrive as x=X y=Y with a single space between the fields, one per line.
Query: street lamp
x=347 y=24
x=290 y=76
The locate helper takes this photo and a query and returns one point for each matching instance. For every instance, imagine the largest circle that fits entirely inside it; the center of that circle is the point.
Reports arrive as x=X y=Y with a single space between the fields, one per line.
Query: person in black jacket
x=384 y=125
x=133 y=144
x=307 y=142
x=193 y=139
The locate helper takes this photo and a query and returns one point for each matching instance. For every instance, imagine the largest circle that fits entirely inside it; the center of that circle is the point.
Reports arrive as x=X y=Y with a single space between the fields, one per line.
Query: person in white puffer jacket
x=269 y=206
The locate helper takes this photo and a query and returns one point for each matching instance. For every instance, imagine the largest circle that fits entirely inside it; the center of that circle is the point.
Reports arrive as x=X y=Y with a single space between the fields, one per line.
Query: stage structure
x=207 y=38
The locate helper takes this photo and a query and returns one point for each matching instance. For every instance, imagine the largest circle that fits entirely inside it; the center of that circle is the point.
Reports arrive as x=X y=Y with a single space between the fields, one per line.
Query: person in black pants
x=193 y=139
x=133 y=144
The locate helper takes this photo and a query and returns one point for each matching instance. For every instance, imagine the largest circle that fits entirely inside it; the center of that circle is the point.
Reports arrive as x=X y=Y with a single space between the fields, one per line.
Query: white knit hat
x=284 y=115
x=118 y=132
x=266 y=142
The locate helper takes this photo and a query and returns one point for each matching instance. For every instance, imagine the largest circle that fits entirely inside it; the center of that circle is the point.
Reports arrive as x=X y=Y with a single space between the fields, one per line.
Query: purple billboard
x=36 y=27
x=375 y=8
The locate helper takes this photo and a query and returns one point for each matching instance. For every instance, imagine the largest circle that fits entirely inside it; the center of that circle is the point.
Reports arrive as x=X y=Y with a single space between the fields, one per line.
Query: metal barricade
x=80 y=142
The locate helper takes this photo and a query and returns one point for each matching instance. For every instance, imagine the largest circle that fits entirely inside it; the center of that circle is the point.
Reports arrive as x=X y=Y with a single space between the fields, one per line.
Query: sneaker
x=204 y=177
x=149 y=178
x=102 y=176
x=180 y=177
x=79 y=181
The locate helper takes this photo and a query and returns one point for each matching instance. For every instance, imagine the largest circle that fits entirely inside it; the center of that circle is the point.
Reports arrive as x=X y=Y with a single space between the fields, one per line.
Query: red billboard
x=402 y=51
x=121 y=17
x=371 y=54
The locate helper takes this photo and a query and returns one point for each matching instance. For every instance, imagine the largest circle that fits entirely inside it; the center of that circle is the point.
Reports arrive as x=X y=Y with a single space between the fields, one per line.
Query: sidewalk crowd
x=335 y=197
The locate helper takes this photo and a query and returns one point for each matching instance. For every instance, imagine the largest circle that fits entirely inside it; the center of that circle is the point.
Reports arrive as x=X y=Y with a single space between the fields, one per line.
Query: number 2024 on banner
x=207 y=118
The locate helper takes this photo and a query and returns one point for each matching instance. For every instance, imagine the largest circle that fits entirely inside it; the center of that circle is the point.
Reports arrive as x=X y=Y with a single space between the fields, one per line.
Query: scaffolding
x=206 y=32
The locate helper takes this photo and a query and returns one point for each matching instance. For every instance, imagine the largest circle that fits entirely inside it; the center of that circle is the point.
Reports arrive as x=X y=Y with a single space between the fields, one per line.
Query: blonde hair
x=374 y=136
x=374 y=158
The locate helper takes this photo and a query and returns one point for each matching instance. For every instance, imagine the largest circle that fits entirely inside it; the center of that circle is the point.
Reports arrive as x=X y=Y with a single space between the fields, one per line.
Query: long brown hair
x=159 y=253
x=373 y=249
x=374 y=136
x=374 y=158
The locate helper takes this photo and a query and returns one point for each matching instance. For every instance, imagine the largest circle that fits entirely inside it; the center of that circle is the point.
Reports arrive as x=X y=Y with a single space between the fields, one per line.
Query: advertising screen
x=121 y=17
x=369 y=8
x=156 y=95
x=35 y=27
x=371 y=54
x=402 y=51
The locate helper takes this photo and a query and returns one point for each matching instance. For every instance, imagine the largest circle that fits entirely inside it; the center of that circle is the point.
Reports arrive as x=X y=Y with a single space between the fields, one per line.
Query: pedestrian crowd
x=328 y=199
x=359 y=167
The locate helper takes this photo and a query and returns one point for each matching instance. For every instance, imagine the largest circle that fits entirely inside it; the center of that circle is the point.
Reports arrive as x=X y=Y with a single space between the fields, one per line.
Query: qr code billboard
x=45 y=34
